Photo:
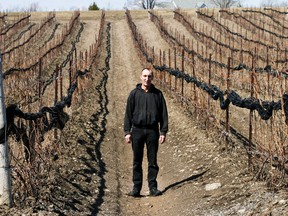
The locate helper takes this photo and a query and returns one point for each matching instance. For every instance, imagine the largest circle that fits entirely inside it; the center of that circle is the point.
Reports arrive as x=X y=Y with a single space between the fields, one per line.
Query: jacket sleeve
x=128 y=115
x=164 y=117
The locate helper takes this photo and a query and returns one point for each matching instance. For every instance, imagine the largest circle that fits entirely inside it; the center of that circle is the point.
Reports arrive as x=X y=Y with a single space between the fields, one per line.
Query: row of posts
x=162 y=78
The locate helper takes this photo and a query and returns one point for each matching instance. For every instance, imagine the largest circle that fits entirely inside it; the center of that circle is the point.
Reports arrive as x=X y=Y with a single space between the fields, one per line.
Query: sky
x=62 y=5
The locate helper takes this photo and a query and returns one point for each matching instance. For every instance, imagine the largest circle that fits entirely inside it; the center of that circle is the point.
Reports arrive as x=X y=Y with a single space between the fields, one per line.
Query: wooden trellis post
x=70 y=73
x=170 y=85
x=56 y=98
x=227 y=110
x=194 y=75
x=61 y=84
x=56 y=84
x=251 y=115
x=182 y=80
x=86 y=59
x=164 y=73
x=40 y=80
x=5 y=179
x=153 y=54
x=268 y=74
x=75 y=61
x=209 y=80
x=175 y=66
x=160 y=63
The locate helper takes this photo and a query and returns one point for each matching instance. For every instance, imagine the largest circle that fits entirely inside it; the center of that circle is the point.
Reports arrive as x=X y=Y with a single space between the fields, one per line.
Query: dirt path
x=190 y=160
x=122 y=78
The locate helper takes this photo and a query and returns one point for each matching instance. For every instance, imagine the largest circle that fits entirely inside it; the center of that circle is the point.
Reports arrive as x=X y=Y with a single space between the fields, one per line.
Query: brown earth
x=94 y=166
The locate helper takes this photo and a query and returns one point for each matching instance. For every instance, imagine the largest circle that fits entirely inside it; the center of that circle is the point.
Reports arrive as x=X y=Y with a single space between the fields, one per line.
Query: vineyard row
x=191 y=89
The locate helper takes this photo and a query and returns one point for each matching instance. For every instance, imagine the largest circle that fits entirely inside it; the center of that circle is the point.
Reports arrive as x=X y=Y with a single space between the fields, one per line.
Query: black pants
x=140 y=136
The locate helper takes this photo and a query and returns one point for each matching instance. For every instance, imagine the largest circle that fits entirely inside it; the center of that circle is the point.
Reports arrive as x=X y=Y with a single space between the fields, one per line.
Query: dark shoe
x=134 y=193
x=155 y=192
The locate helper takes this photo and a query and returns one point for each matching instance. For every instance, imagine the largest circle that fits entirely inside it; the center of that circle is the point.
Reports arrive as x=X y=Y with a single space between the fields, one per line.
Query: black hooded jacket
x=146 y=110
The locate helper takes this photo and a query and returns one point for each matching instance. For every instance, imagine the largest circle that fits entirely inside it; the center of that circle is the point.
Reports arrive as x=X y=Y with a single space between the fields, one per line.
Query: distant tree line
x=274 y=3
x=150 y=4
x=227 y=3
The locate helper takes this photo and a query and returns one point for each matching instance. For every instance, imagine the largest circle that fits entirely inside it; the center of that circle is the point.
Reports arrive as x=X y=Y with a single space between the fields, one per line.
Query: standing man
x=145 y=122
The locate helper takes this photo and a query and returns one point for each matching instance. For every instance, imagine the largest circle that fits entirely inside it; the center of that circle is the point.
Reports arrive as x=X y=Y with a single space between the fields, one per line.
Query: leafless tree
x=226 y=3
x=34 y=7
x=145 y=4
x=148 y=4
x=284 y=4
x=266 y=3
x=273 y=3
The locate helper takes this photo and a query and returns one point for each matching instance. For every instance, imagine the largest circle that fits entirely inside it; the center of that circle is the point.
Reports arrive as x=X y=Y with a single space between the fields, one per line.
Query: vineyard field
x=67 y=76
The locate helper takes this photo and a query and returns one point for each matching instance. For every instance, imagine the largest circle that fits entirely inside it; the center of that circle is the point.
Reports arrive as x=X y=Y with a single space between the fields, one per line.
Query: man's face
x=146 y=77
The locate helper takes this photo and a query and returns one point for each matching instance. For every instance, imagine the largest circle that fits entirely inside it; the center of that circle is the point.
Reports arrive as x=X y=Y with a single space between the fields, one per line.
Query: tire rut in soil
x=99 y=122
x=99 y=128
x=83 y=187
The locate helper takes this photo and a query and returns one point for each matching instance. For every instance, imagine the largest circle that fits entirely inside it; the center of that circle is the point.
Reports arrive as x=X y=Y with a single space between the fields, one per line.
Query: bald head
x=146 y=78
x=146 y=70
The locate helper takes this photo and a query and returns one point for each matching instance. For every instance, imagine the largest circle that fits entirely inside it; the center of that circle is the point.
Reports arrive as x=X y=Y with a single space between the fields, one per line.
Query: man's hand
x=162 y=139
x=128 y=138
